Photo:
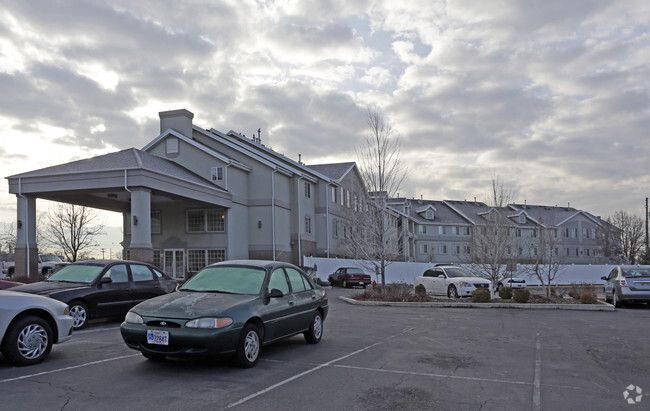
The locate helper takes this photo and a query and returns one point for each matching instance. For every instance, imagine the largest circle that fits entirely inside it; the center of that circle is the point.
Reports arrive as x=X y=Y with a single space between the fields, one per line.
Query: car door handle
x=313 y=297
x=291 y=302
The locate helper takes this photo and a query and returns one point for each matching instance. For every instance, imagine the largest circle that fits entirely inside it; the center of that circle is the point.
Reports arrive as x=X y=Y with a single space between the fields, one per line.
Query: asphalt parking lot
x=370 y=358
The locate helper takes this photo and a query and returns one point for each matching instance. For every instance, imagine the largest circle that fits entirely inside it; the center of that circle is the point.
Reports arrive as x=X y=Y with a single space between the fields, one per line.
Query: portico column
x=140 y=247
x=26 y=256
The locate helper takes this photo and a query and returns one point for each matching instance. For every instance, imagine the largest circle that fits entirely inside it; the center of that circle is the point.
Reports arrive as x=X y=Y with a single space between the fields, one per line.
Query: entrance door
x=174 y=263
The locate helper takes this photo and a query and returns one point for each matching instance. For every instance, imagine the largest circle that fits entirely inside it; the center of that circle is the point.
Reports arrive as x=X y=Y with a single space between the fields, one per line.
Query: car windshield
x=50 y=258
x=227 y=279
x=636 y=272
x=482 y=275
x=453 y=272
x=355 y=271
x=77 y=273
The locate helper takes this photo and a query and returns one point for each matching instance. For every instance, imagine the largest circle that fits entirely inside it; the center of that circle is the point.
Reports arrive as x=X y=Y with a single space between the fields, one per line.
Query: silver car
x=627 y=283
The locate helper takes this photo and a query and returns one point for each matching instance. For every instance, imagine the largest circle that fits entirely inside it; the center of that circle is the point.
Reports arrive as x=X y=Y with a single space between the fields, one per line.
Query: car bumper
x=625 y=294
x=515 y=285
x=184 y=342
x=64 y=324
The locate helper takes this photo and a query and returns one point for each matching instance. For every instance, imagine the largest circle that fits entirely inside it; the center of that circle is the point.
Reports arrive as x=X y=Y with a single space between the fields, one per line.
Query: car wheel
x=79 y=312
x=344 y=284
x=452 y=292
x=153 y=357
x=607 y=299
x=248 y=350
x=615 y=300
x=28 y=341
x=315 y=332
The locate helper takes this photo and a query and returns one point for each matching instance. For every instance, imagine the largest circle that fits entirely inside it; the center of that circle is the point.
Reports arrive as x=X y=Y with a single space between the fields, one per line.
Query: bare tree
x=493 y=240
x=630 y=234
x=373 y=235
x=546 y=258
x=73 y=228
x=8 y=237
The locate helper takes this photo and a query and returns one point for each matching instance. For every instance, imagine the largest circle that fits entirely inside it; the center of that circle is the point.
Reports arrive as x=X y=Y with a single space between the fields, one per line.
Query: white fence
x=400 y=272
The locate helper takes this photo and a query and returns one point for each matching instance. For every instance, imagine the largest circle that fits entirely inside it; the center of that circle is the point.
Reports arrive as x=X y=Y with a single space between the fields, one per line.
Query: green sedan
x=229 y=308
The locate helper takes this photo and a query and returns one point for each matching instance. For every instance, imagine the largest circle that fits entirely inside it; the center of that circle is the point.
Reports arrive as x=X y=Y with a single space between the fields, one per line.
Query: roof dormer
x=428 y=212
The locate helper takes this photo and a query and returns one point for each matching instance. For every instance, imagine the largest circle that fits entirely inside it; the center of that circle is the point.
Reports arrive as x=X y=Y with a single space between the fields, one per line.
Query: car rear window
x=636 y=272
x=355 y=271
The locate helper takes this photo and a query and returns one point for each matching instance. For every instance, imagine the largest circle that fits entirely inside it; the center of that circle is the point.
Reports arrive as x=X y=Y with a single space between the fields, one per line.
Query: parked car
x=451 y=281
x=627 y=283
x=349 y=276
x=102 y=288
x=47 y=264
x=30 y=324
x=4 y=284
x=512 y=282
x=229 y=308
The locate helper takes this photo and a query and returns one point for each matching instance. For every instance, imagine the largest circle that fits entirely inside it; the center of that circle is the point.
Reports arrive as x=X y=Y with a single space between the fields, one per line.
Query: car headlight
x=466 y=284
x=133 y=318
x=209 y=323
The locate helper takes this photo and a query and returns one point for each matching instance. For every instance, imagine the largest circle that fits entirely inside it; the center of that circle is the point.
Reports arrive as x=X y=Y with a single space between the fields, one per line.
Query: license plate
x=158 y=337
x=361 y=283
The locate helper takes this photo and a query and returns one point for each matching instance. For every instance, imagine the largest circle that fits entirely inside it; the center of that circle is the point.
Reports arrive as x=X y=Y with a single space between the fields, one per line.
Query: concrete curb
x=601 y=306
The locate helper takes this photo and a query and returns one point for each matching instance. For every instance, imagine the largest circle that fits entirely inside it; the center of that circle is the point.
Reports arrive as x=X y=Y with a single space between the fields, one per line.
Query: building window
x=566 y=233
x=442 y=230
x=307 y=190
x=422 y=229
x=443 y=249
x=347 y=199
x=519 y=232
x=522 y=219
x=334 y=192
x=577 y=252
x=342 y=196
x=198 y=221
x=429 y=214
x=355 y=202
x=456 y=249
x=307 y=225
x=156 y=224
x=197 y=259
x=424 y=249
x=216 y=174
x=467 y=249
x=466 y=231
x=534 y=233
x=171 y=146
x=157 y=260
x=335 y=228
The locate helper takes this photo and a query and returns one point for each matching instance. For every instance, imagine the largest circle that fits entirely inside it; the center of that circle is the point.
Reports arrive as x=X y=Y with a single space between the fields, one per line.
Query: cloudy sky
x=551 y=95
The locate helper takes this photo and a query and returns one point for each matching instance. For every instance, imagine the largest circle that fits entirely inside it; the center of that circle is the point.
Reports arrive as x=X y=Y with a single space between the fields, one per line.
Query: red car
x=4 y=284
x=349 y=276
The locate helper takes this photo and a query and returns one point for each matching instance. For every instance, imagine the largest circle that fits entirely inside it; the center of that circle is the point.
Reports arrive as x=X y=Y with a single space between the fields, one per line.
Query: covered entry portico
x=131 y=182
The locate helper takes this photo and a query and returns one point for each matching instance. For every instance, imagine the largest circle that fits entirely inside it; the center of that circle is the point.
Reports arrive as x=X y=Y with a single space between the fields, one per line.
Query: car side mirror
x=275 y=293
x=441 y=276
x=106 y=280
x=603 y=278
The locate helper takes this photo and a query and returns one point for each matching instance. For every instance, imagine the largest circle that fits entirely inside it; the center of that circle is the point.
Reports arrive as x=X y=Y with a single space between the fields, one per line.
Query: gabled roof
x=128 y=159
x=214 y=153
x=335 y=171
x=425 y=208
x=553 y=216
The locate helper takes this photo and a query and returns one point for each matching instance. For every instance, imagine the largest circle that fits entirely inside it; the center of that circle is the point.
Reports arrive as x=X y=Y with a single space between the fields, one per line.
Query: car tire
x=452 y=292
x=315 y=332
x=79 y=311
x=615 y=301
x=607 y=299
x=27 y=341
x=153 y=357
x=344 y=284
x=249 y=347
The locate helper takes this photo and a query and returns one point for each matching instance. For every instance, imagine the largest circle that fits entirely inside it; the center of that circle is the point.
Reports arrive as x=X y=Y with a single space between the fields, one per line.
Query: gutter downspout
x=273 y=209
x=20 y=194
x=125 y=184
x=225 y=172
x=327 y=218
x=299 y=218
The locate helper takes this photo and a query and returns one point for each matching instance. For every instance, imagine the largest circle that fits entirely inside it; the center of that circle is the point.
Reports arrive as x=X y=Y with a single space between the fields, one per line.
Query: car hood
x=48 y=287
x=187 y=305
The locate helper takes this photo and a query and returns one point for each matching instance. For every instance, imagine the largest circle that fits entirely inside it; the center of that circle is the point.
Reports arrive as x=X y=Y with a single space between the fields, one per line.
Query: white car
x=512 y=282
x=30 y=324
x=451 y=281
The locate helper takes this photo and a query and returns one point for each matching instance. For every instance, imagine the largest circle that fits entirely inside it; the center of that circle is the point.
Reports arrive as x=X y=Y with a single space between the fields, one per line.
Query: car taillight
x=622 y=282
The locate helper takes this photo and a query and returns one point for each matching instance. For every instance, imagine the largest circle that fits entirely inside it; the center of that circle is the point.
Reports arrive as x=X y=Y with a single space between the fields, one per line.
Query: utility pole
x=646 y=226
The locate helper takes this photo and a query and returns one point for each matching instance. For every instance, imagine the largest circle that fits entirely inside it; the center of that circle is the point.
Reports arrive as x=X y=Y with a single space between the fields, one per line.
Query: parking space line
x=67 y=368
x=537 y=382
x=318 y=367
